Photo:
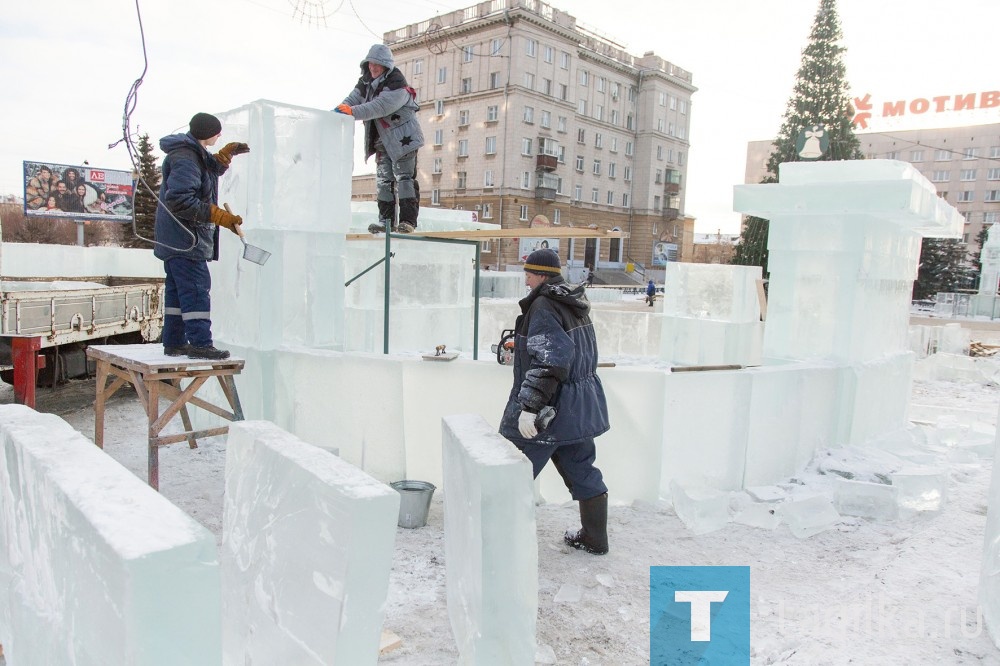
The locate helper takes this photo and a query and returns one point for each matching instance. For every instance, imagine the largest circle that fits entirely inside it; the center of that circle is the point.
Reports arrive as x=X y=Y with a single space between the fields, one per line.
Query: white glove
x=526 y=424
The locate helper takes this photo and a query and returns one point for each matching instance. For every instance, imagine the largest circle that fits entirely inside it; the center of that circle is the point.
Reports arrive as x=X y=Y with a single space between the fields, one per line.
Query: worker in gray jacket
x=388 y=107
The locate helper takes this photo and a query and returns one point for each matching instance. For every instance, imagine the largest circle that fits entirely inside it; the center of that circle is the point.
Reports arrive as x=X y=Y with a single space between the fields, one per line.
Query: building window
x=656 y=204
x=966 y=195
x=967 y=174
x=562 y=154
x=462 y=179
x=439 y=107
x=597 y=167
x=548 y=54
x=627 y=174
x=992 y=195
x=494 y=80
x=525 y=180
x=564 y=60
x=599 y=112
x=491 y=145
x=628 y=121
x=611 y=198
x=614 y=116
x=663 y=99
x=526 y=147
x=437 y=165
x=559 y=184
x=467 y=54
x=942 y=155
x=581 y=135
x=496 y=45
x=659 y=153
x=892 y=155
x=492 y=113
x=529 y=114
x=916 y=156
x=578 y=193
x=438 y=137
x=659 y=177
x=546 y=119
x=625 y=200
x=579 y=163
x=561 y=124
x=612 y=168
x=487 y=211
x=524 y=213
x=598 y=140
x=466 y=85
x=594 y=194
x=600 y=84
x=435 y=197
x=463 y=147
x=670 y=155
x=680 y=158
x=581 y=107
x=673 y=102
x=547 y=87
x=557 y=216
x=659 y=124
x=529 y=80
x=992 y=217
x=614 y=144
x=463 y=118
x=684 y=107
x=993 y=174
x=583 y=77
x=488 y=178
x=628 y=148
x=941 y=176
x=442 y=74
x=418 y=66
x=971 y=154
x=563 y=92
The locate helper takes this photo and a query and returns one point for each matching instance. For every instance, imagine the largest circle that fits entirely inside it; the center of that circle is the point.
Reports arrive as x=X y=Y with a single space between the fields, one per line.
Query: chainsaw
x=505 y=349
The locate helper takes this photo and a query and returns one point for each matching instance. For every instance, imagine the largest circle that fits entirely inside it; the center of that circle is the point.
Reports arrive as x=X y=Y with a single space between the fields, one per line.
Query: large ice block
x=432 y=218
x=701 y=509
x=491 y=550
x=96 y=567
x=71 y=261
x=989 y=573
x=989 y=278
x=712 y=291
x=306 y=553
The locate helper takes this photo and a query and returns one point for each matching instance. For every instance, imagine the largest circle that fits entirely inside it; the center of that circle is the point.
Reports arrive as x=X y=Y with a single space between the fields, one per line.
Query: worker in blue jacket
x=186 y=232
x=557 y=406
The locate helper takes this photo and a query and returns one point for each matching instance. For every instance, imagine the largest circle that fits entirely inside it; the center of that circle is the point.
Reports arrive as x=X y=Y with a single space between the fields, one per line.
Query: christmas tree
x=147 y=188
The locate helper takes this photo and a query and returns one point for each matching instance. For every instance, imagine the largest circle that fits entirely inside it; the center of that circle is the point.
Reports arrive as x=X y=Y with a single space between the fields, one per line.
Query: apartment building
x=534 y=120
x=962 y=162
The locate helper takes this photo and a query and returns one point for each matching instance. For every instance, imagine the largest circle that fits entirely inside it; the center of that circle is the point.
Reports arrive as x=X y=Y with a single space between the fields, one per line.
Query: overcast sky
x=66 y=67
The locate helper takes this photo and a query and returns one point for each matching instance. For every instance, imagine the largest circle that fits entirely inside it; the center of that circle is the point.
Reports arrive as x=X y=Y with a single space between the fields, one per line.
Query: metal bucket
x=414 y=502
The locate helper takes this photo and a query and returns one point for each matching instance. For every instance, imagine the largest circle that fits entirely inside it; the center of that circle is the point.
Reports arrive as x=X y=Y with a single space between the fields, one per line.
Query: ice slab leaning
x=807 y=517
x=306 y=553
x=95 y=566
x=701 y=509
x=865 y=499
x=491 y=549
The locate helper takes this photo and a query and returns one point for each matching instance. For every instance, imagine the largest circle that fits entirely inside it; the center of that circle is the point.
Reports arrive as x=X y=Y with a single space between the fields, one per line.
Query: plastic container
x=414 y=502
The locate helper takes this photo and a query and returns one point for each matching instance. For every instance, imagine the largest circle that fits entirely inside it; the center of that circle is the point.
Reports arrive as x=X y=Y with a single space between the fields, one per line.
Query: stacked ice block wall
x=989 y=278
x=711 y=315
x=844 y=245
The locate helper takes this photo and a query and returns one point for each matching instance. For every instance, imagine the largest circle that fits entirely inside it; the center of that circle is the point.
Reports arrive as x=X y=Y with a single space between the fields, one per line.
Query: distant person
x=187 y=233
x=590 y=277
x=650 y=293
x=557 y=406
x=387 y=105
x=38 y=188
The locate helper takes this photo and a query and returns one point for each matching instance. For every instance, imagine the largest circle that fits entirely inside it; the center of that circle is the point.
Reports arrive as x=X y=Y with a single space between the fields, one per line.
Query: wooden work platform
x=156 y=375
x=487 y=234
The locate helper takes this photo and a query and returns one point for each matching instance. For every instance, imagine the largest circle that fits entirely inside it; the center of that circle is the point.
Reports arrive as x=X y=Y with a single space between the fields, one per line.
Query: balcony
x=672 y=188
x=545 y=193
x=671 y=213
x=546 y=162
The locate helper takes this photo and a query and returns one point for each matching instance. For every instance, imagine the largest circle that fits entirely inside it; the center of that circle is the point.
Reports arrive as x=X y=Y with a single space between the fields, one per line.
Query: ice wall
x=432 y=218
x=491 y=548
x=293 y=190
x=989 y=574
x=989 y=278
x=95 y=566
x=306 y=554
x=844 y=243
x=20 y=260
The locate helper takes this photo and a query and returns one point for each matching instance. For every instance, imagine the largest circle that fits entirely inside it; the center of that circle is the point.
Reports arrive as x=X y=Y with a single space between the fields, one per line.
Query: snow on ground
x=865 y=592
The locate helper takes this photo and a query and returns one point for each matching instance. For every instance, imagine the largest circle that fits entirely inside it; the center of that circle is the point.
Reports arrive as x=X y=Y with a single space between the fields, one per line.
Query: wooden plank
x=156 y=442
x=102 y=379
x=178 y=402
x=488 y=234
x=170 y=391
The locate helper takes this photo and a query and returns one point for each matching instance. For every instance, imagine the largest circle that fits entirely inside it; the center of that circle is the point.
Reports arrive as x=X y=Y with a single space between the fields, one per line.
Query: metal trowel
x=257 y=255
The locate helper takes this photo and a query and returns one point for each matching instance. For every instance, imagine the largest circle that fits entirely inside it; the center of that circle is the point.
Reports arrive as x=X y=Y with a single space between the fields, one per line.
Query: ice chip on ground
x=809 y=516
x=867 y=500
x=607 y=580
x=545 y=655
x=762 y=515
x=921 y=489
x=568 y=594
x=949 y=429
x=701 y=509
x=767 y=493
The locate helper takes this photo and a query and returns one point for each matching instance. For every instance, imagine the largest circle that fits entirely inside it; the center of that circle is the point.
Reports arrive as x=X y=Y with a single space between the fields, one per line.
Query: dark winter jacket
x=190 y=185
x=388 y=107
x=555 y=363
x=650 y=288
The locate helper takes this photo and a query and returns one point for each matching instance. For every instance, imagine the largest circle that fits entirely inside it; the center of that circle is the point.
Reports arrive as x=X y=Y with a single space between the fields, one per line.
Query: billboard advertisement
x=61 y=191
x=663 y=253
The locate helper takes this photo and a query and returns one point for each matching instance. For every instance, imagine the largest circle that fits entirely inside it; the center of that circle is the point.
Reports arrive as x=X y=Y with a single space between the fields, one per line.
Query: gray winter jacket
x=388 y=107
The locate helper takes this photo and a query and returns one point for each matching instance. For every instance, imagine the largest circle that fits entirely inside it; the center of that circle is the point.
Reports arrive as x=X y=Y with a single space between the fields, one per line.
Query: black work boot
x=209 y=353
x=176 y=351
x=593 y=538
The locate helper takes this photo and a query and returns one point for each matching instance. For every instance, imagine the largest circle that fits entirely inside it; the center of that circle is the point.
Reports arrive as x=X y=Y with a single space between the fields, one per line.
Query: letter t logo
x=701 y=610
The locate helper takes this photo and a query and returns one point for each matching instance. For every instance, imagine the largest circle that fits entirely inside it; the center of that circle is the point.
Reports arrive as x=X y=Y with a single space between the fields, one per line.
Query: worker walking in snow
x=650 y=293
x=557 y=406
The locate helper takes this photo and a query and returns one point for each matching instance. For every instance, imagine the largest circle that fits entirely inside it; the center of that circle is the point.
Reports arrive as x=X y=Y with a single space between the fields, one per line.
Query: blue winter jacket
x=190 y=185
x=555 y=363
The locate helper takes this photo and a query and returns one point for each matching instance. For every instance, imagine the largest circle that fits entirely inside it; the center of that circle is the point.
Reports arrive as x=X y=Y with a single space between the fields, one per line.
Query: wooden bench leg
x=153 y=413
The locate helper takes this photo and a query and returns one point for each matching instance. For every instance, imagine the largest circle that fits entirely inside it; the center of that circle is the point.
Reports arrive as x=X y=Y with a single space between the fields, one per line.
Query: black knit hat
x=543 y=262
x=205 y=126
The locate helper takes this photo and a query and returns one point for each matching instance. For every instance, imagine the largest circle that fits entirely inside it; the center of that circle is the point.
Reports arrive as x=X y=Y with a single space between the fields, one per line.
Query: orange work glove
x=221 y=218
x=230 y=150
x=344 y=108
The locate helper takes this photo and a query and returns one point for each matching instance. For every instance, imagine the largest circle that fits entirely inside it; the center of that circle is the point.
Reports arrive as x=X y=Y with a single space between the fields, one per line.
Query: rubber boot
x=593 y=538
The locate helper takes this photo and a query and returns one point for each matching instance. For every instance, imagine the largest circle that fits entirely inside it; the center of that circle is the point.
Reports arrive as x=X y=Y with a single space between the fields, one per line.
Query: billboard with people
x=77 y=192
